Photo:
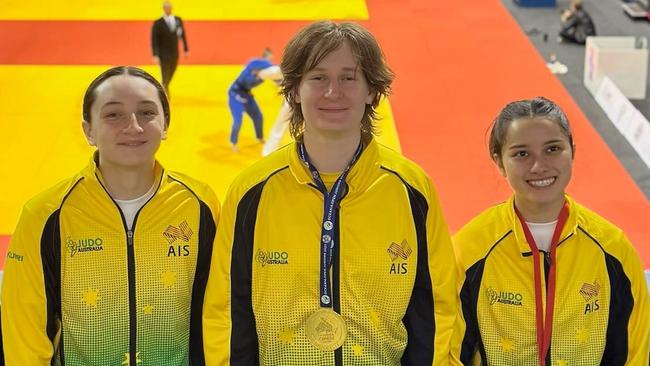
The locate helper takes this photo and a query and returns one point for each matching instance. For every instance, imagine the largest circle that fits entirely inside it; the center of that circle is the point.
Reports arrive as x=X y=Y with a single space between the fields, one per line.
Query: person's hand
x=565 y=15
x=156 y=60
x=186 y=53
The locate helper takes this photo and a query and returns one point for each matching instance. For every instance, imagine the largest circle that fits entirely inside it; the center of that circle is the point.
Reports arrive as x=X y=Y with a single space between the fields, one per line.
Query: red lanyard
x=544 y=324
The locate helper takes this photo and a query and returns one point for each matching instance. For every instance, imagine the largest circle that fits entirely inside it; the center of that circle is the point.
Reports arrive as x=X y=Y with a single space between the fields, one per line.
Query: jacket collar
x=92 y=173
x=360 y=175
x=570 y=227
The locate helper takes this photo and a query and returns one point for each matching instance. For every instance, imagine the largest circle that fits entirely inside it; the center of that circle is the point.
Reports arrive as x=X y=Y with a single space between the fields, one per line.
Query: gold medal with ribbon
x=326 y=329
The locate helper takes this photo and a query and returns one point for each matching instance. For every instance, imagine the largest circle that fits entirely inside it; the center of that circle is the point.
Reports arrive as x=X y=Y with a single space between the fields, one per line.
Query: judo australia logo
x=504 y=297
x=84 y=245
x=398 y=254
x=590 y=292
x=15 y=256
x=178 y=238
x=271 y=257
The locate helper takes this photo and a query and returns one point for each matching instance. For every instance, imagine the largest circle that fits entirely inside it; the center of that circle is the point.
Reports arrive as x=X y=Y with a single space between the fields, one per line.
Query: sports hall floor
x=452 y=78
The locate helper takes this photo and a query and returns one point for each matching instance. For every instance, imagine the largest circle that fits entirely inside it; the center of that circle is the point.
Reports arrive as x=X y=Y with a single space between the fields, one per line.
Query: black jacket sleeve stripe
x=51 y=259
x=621 y=303
x=244 y=347
x=207 y=231
x=469 y=294
x=468 y=299
x=419 y=319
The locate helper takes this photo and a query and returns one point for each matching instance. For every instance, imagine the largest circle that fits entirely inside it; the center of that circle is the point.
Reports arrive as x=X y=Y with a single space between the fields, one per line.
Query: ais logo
x=182 y=233
x=589 y=292
x=84 y=245
x=399 y=253
x=272 y=257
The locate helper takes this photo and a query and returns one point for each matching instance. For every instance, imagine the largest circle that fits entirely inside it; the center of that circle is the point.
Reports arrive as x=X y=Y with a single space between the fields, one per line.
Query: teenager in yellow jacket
x=542 y=279
x=109 y=267
x=332 y=250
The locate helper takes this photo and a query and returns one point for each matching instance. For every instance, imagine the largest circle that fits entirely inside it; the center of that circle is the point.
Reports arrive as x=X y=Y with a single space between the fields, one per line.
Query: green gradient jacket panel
x=601 y=311
x=90 y=292
x=391 y=277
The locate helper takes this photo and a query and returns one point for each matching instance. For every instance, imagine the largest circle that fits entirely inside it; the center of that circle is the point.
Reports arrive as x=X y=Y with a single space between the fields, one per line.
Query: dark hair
x=90 y=96
x=307 y=48
x=537 y=108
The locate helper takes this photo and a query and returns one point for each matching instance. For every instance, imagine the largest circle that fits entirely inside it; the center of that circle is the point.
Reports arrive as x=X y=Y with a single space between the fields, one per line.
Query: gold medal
x=326 y=329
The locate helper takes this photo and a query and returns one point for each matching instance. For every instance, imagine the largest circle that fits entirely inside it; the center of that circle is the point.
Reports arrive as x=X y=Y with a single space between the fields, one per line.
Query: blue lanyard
x=331 y=202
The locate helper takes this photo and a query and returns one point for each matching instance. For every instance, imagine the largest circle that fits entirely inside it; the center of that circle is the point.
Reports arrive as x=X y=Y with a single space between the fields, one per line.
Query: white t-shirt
x=171 y=22
x=131 y=207
x=542 y=233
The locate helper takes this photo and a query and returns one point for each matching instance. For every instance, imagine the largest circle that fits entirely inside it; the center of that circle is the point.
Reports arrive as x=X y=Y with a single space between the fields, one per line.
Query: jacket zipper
x=130 y=257
x=132 y=310
x=547 y=268
x=130 y=261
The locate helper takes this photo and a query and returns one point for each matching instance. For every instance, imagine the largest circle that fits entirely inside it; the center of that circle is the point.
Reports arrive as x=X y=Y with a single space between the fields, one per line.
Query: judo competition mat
x=452 y=79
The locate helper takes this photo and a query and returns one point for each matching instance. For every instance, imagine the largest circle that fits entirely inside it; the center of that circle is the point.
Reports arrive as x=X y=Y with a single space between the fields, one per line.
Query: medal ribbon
x=331 y=202
x=544 y=324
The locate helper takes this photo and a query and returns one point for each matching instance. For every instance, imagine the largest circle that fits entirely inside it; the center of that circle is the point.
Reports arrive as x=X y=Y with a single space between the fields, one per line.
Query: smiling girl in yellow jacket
x=542 y=279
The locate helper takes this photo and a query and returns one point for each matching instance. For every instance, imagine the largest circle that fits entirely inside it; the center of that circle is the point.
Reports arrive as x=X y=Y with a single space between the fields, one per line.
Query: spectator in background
x=164 y=43
x=577 y=25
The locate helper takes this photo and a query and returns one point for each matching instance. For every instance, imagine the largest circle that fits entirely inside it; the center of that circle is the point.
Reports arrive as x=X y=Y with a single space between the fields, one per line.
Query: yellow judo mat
x=44 y=142
x=188 y=9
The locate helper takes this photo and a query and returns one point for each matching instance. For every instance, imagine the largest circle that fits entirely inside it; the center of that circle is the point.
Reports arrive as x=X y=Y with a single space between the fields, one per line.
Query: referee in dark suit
x=164 y=42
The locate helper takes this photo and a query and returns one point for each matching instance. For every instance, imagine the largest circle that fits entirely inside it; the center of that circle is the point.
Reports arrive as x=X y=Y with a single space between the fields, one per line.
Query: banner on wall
x=631 y=123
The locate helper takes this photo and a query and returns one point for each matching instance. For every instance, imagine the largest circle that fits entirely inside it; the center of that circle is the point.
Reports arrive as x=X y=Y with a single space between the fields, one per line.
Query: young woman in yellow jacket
x=110 y=265
x=542 y=279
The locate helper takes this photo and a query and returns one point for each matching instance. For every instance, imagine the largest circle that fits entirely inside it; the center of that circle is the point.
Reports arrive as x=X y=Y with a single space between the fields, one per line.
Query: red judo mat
x=456 y=66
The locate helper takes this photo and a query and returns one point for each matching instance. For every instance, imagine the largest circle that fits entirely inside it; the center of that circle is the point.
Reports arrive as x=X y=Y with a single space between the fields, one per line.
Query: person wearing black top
x=164 y=43
x=577 y=25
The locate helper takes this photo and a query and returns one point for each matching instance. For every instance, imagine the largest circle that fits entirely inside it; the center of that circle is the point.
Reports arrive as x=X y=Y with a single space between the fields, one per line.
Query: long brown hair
x=307 y=48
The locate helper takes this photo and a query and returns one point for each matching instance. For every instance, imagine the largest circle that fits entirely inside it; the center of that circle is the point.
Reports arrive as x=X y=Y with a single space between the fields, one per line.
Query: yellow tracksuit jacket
x=602 y=311
x=392 y=275
x=79 y=288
